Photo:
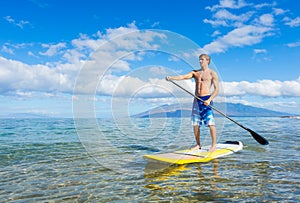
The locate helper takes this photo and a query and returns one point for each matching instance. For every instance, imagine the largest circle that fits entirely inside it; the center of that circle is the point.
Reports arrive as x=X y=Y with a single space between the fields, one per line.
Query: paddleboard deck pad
x=197 y=156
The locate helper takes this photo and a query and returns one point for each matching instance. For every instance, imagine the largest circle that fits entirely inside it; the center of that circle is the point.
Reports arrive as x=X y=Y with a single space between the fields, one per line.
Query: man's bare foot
x=212 y=149
x=197 y=147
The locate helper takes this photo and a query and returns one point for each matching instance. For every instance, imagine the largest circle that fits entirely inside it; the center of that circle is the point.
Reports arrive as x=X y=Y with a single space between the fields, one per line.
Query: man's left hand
x=207 y=102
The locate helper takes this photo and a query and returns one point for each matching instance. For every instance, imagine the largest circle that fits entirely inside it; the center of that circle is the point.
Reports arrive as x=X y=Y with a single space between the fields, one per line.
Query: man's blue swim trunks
x=202 y=114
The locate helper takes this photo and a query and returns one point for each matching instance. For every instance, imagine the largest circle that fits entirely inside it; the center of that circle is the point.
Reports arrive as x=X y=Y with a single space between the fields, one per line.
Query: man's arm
x=181 y=77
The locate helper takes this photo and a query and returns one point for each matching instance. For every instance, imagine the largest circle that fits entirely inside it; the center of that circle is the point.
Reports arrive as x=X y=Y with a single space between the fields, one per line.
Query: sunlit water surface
x=46 y=160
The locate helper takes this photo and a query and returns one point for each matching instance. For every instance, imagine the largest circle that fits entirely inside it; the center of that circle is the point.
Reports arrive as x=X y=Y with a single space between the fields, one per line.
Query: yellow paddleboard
x=196 y=156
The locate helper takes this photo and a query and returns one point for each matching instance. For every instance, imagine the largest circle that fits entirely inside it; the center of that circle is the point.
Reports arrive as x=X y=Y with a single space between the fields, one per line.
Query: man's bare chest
x=203 y=76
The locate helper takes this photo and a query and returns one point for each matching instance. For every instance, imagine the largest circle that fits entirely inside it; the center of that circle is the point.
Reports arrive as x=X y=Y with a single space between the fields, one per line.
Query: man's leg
x=197 y=137
x=213 y=134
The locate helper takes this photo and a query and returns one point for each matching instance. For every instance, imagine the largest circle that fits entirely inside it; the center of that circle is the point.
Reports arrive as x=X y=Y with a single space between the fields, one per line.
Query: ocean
x=88 y=160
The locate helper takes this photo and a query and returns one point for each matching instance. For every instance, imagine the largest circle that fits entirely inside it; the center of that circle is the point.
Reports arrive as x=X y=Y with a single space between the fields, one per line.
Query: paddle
x=257 y=137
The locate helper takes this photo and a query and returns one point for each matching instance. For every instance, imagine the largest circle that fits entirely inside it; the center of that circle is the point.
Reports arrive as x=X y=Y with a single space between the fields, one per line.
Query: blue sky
x=46 y=47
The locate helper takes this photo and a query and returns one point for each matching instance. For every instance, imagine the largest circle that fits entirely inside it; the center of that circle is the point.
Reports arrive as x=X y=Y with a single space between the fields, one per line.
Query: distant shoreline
x=232 y=110
x=297 y=117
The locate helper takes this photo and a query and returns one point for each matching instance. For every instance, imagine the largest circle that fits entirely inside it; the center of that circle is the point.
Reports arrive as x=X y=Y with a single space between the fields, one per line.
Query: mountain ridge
x=232 y=109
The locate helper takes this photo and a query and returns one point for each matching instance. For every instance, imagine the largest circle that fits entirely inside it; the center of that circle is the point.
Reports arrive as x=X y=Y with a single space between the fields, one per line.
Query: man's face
x=203 y=61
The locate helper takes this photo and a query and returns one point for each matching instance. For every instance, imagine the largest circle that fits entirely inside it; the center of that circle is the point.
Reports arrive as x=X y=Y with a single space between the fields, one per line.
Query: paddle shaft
x=256 y=136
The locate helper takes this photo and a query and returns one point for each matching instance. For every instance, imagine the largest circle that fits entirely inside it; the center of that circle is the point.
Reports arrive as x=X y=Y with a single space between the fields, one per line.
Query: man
x=205 y=78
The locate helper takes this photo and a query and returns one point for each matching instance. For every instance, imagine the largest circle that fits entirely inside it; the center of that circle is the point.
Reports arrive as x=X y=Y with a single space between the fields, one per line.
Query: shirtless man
x=205 y=78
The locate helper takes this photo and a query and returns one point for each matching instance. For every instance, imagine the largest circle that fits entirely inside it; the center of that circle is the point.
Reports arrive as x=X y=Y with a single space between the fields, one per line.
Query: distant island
x=24 y=115
x=230 y=109
x=183 y=110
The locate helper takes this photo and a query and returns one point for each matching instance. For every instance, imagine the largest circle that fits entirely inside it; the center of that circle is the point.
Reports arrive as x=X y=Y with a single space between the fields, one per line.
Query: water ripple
x=43 y=160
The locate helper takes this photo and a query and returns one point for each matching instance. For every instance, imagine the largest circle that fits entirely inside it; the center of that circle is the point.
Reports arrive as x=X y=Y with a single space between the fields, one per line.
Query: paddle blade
x=261 y=140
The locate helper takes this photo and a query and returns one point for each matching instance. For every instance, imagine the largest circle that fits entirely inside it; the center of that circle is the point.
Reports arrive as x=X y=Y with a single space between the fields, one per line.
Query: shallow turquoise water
x=50 y=160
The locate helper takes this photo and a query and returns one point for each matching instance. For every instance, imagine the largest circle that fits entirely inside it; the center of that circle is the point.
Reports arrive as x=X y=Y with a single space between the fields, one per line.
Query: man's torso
x=203 y=79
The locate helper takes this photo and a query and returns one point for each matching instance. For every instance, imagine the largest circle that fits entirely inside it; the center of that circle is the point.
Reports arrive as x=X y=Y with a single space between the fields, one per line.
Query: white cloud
x=116 y=32
x=224 y=14
x=23 y=78
x=263 y=5
x=155 y=24
x=294 y=44
x=266 y=20
x=274 y=104
x=173 y=58
x=232 y=4
x=114 y=56
x=119 y=86
x=259 y=51
x=129 y=86
x=249 y=26
x=85 y=42
x=216 y=23
x=7 y=50
x=279 y=11
x=23 y=94
x=292 y=22
x=227 y=19
x=19 y=24
x=260 y=54
x=216 y=33
x=60 y=76
x=239 y=37
x=137 y=88
x=30 y=53
x=268 y=88
x=13 y=48
x=20 y=77
x=134 y=87
x=53 y=49
x=158 y=70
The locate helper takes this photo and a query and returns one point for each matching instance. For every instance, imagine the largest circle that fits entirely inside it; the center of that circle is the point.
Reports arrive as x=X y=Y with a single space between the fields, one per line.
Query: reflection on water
x=44 y=160
x=155 y=176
